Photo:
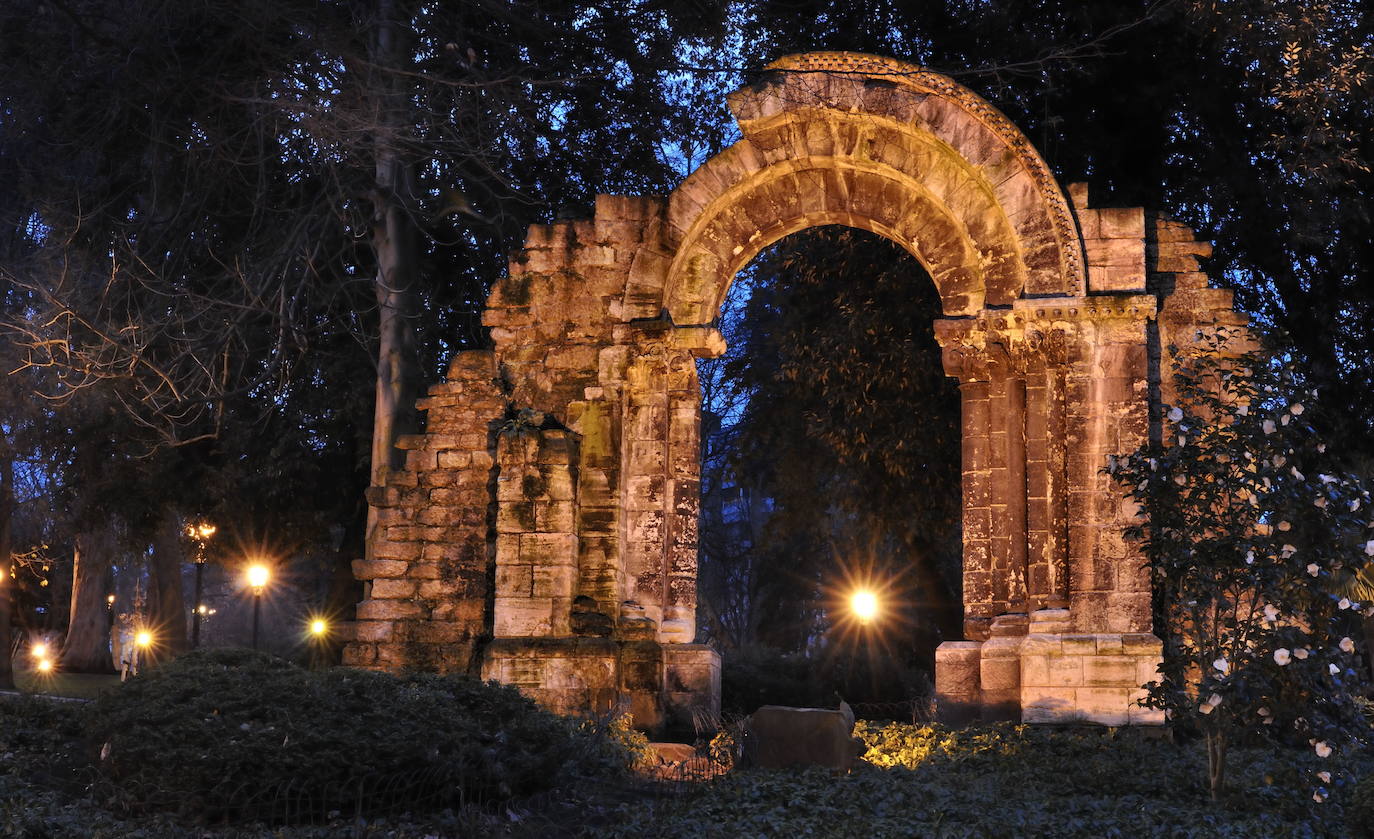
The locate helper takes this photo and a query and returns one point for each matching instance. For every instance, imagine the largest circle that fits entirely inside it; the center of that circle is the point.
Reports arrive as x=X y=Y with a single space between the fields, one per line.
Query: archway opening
x=831 y=465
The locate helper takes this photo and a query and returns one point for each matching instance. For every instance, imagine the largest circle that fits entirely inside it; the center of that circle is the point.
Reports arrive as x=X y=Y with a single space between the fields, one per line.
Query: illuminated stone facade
x=544 y=530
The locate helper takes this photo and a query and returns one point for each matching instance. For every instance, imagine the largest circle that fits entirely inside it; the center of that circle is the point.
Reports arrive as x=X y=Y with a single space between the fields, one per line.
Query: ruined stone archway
x=544 y=529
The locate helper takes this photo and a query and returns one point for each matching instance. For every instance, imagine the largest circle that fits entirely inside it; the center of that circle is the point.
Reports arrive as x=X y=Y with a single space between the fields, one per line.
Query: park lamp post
x=258 y=575
x=200 y=532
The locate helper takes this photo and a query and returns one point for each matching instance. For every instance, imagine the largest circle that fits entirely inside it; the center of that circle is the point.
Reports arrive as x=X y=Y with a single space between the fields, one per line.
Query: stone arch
x=840 y=138
x=544 y=528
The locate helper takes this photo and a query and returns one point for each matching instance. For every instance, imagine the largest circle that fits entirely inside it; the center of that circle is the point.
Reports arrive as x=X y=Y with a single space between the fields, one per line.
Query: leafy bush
x=229 y=733
x=1252 y=529
x=1359 y=813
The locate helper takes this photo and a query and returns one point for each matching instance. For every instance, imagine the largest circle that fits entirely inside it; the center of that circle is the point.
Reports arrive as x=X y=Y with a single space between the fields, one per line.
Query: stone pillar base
x=661 y=685
x=1089 y=678
x=1048 y=676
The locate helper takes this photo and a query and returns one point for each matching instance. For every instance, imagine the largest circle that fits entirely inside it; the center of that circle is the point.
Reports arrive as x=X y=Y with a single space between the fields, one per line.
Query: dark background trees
x=239 y=236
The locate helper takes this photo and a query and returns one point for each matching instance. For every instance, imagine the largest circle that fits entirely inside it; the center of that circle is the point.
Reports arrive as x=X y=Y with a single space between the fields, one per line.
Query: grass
x=70 y=685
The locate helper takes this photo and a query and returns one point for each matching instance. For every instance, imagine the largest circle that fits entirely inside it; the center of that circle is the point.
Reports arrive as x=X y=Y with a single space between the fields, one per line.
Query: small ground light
x=318 y=627
x=144 y=638
x=44 y=665
x=864 y=605
x=39 y=651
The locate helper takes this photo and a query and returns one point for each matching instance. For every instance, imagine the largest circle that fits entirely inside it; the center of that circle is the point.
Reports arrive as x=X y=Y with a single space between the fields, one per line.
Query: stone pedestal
x=1048 y=675
x=661 y=685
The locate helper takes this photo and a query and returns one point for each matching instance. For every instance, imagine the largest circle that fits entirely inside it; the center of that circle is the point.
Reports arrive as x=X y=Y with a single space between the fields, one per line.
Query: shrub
x=1252 y=528
x=229 y=733
x=1359 y=813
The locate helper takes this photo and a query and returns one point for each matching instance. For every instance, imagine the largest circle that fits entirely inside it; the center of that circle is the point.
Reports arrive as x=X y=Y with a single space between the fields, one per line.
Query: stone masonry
x=544 y=531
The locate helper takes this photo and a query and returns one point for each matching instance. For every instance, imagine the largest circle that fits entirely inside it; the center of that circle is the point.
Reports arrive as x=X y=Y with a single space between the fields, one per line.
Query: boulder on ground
x=776 y=736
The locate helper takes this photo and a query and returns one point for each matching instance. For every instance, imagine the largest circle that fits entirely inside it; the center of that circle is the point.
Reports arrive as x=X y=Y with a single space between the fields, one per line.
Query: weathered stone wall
x=544 y=530
x=428 y=565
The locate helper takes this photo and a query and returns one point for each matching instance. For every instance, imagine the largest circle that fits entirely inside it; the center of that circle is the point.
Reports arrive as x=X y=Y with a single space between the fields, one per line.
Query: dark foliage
x=227 y=734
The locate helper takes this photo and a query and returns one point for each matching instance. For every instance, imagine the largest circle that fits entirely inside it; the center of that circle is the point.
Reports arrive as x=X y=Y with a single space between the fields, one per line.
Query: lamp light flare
x=258 y=576
x=318 y=627
x=864 y=605
x=144 y=638
x=44 y=665
x=39 y=651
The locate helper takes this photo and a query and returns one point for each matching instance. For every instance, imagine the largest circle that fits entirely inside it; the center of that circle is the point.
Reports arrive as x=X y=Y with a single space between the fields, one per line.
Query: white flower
x=1321 y=447
x=1243 y=410
x=1212 y=701
x=1320 y=502
x=1296 y=409
x=1326 y=479
x=1298 y=474
x=1175 y=414
x=1369 y=548
x=1323 y=750
x=1319 y=796
x=1344 y=604
x=1269 y=427
x=1301 y=653
x=1284 y=525
x=1279 y=460
x=1287 y=551
x=1250 y=557
x=1282 y=656
x=1180 y=480
x=1325 y=776
x=1284 y=419
x=1347 y=645
x=1313 y=569
x=1182 y=439
x=1354 y=504
x=1263 y=712
x=1271 y=613
x=1335 y=671
x=1223 y=665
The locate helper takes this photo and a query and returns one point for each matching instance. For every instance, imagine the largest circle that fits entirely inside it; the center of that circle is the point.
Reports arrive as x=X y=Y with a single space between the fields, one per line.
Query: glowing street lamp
x=318 y=627
x=200 y=532
x=39 y=650
x=44 y=666
x=864 y=604
x=258 y=576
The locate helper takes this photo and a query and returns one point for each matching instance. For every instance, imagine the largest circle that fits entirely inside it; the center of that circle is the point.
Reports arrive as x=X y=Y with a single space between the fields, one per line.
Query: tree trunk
x=87 y=648
x=6 y=568
x=1216 y=763
x=166 y=600
x=394 y=244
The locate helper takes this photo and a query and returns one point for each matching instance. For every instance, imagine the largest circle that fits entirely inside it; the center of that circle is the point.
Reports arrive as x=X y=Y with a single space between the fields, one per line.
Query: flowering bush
x=1251 y=527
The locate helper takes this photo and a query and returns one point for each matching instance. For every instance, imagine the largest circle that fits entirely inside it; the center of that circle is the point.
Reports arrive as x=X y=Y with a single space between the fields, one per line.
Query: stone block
x=554 y=517
x=514 y=581
x=1079 y=645
x=1105 y=706
x=548 y=548
x=359 y=655
x=522 y=617
x=1066 y=671
x=372 y=569
x=1108 y=644
x=553 y=581
x=393 y=588
x=1109 y=670
x=389 y=610
x=1122 y=223
x=371 y=631
x=1035 y=670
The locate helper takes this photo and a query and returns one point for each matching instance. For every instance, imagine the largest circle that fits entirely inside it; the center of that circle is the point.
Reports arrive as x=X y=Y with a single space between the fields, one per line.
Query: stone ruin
x=544 y=528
